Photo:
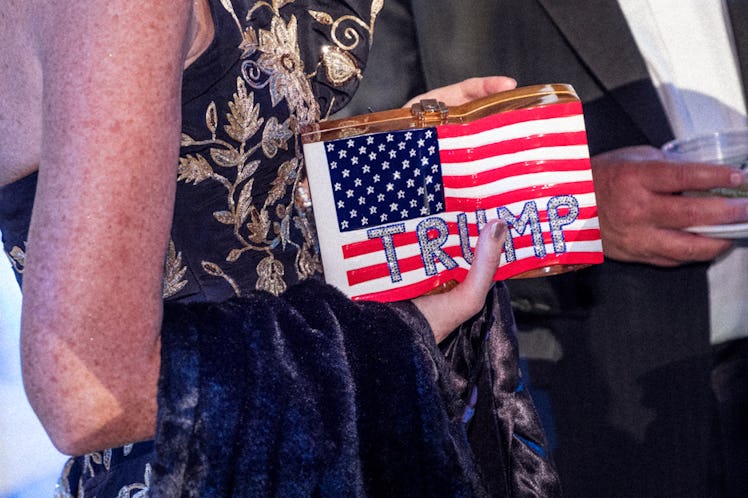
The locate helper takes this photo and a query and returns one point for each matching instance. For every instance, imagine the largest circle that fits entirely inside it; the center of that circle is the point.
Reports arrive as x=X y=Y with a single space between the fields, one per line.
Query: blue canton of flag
x=385 y=177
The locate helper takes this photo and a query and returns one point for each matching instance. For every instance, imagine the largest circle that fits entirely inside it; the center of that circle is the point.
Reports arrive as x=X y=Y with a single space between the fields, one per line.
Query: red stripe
x=464 y=205
x=467 y=154
x=504 y=273
x=374 y=245
x=585 y=235
x=569 y=258
x=382 y=270
x=413 y=290
x=515 y=169
x=507 y=118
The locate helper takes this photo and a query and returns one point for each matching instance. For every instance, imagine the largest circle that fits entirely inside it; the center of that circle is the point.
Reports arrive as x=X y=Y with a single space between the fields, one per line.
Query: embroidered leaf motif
x=224 y=217
x=309 y=263
x=339 y=66
x=277 y=4
x=18 y=259
x=246 y=170
x=244 y=120
x=283 y=229
x=227 y=5
x=227 y=158
x=245 y=202
x=258 y=226
x=275 y=136
x=286 y=176
x=249 y=42
x=194 y=169
x=376 y=8
x=321 y=17
x=230 y=9
x=186 y=140
x=173 y=278
x=270 y=276
x=234 y=255
x=212 y=269
x=211 y=118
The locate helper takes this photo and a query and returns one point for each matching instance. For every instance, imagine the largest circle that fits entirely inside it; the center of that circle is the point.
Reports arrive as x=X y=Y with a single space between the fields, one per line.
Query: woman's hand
x=467 y=90
x=446 y=311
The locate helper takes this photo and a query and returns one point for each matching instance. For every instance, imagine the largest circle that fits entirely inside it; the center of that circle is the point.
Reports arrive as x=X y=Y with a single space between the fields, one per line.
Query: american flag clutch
x=400 y=196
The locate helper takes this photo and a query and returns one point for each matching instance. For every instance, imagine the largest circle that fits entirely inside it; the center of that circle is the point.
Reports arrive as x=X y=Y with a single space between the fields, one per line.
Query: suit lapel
x=594 y=38
x=598 y=35
x=738 y=10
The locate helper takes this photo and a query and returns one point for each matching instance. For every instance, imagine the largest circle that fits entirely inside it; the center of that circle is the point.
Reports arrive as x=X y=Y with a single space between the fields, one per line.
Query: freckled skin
x=106 y=152
x=20 y=117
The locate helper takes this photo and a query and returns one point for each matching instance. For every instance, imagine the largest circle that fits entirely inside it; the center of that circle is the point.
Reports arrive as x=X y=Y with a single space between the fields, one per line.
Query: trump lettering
x=433 y=234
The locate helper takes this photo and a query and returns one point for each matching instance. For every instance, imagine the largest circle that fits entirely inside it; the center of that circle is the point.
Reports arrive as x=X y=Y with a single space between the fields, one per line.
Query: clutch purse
x=400 y=196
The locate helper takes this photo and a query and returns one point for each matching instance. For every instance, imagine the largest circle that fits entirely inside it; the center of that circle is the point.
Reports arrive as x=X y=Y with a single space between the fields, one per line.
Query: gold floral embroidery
x=62 y=488
x=240 y=138
x=280 y=62
x=275 y=136
x=141 y=489
x=270 y=275
x=216 y=271
x=252 y=226
x=17 y=258
x=174 y=272
x=339 y=65
x=97 y=457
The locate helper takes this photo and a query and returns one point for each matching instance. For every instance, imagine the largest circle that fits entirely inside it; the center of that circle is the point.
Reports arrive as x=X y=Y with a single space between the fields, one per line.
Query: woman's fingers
x=467 y=90
x=448 y=310
x=487 y=256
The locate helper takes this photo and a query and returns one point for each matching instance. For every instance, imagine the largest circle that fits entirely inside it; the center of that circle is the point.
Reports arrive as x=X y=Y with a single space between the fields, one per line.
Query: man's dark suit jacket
x=618 y=353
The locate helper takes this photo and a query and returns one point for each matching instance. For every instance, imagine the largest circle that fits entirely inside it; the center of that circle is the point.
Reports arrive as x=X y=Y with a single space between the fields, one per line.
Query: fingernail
x=737 y=178
x=497 y=230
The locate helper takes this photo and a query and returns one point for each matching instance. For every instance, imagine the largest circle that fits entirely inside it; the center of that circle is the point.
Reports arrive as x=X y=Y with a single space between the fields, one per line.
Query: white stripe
x=533 y=180
x=560 y=153
x=584 y=201
x=567 y=124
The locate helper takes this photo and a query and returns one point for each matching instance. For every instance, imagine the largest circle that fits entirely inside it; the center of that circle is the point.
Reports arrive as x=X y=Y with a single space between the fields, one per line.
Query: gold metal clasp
x=429 y=111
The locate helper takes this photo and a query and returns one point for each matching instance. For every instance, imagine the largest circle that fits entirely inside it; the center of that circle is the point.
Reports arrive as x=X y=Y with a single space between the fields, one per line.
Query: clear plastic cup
x=722 y=147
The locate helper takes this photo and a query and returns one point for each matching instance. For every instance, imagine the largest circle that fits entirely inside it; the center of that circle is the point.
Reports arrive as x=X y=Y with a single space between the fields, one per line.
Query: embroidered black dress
x=239 y=240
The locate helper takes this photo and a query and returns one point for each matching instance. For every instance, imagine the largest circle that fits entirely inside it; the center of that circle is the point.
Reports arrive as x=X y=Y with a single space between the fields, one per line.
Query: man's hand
x=642 y=212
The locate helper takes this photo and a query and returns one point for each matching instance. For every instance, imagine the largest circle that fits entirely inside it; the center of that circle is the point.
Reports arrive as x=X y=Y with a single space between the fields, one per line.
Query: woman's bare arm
x=92 y=286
